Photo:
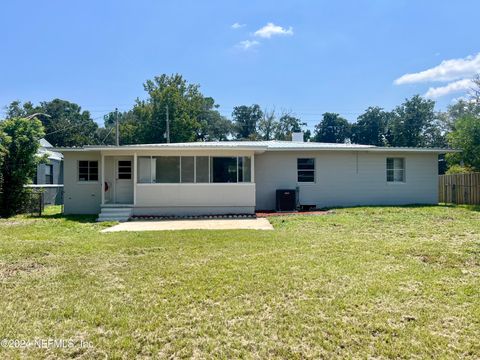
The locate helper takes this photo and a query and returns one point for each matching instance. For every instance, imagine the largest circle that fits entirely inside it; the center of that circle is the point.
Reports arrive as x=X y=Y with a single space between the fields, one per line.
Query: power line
x=67 y=128
x=105 y=138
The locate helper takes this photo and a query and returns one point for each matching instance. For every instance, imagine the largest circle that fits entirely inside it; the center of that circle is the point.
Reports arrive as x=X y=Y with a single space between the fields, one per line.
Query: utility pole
x=117 y=128
x=168 y=126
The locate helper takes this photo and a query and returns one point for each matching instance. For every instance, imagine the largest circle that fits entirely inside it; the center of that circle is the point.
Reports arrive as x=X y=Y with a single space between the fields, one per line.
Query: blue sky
x=315 y=56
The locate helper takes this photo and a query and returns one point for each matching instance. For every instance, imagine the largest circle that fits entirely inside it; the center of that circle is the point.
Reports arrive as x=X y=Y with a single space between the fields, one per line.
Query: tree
x=17 y=109
x=268 y=125
x=332 y=129
x=20 y=160
x=212 y=125
x=475 y=90
x=459 y=110
x=459 y=169
x=66 y=125
x=246 y=119
x=128 y=128
x=191 y=115
x=184 y=102
x=4 y=141
x=411 y=121
x=466 y=137
x=435 y=135
x=307 y=135
x=287 y=125
x=371 y=126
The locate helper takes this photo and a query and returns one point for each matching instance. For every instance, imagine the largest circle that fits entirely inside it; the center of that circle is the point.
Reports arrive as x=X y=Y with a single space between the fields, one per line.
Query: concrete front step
x=112 y=218
x=115 y=214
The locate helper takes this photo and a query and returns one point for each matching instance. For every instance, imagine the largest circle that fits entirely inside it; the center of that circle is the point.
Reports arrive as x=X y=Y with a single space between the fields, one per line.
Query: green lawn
x=378 y=282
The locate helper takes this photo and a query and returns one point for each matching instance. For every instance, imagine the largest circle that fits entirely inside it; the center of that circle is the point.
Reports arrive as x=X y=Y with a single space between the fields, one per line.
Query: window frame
x=208 y=170
x=233 y=159
x=88 y=181
x=155 y=167
x=50 y=176
x=403 y=169
x=209 y=161
x=182 y=180
x=123 y=166
x=314 y=170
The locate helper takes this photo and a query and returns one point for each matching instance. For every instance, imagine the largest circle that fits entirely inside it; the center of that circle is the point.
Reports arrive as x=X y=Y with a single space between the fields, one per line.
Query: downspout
x=297 y=196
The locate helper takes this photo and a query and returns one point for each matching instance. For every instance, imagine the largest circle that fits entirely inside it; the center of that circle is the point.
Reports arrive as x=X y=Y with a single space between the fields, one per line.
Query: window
x=48 y=174
x=144 y=175
x=187 y=169
x=244 y=169
x=191 y=169
x=124 y=169
x=395 y=170
x=306 y=170
x=87 y=170
x=202 y=169
x=167 y=169
x=224 y=170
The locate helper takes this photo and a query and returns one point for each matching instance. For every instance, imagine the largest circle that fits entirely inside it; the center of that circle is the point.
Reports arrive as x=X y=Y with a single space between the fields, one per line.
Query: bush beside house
x=19 y=139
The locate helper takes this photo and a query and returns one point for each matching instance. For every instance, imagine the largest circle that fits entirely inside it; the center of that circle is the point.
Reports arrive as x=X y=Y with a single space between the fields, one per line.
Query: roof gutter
x=372 y=149
x=257 y=149
x=162 y=148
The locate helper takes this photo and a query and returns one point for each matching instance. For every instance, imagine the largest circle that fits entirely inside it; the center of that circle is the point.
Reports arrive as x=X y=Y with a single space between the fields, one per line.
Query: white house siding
x=81 y=197
x=341 y=181
x=157 y=199
x=192 y=199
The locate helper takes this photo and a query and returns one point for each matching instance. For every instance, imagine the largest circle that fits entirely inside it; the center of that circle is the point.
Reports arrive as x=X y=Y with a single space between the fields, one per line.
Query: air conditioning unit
x=286 y=200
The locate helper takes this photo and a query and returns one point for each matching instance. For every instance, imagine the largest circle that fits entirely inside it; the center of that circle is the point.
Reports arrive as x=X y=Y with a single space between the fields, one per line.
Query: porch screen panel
x=240 y=169
x=224 y=169
x=144 y=170
x=168 y=169
x=202 y=169
x=188 y=169
x=244 y=169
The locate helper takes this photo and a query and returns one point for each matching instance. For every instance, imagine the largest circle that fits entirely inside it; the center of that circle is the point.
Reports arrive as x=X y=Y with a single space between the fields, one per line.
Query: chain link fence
x=32 y=204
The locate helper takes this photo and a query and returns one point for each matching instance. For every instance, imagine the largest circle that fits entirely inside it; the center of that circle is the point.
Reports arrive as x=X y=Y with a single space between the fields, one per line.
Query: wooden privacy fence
x=459 y=188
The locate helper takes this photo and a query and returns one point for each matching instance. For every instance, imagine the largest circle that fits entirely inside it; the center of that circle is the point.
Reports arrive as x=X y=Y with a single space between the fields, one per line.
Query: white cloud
x=271 y=29
x=453 y=87
x=248 y=44
x=448 y=70
x=237 y=26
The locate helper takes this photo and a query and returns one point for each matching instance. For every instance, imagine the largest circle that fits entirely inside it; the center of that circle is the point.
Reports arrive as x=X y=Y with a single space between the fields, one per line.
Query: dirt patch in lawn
x=10 y=270
x=262 y=214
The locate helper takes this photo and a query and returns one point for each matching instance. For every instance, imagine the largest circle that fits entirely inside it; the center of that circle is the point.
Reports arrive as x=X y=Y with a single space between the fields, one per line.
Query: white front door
x=123 y=180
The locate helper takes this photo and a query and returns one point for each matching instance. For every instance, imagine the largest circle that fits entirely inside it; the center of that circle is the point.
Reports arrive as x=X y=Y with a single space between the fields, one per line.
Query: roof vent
x=297 y=136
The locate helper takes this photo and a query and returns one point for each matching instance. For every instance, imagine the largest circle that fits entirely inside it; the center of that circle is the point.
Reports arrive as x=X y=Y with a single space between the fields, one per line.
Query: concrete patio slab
x=210 y=224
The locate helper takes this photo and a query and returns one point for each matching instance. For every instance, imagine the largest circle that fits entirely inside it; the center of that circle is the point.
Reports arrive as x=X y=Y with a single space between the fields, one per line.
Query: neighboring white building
x=49 y=175
x=238 y=177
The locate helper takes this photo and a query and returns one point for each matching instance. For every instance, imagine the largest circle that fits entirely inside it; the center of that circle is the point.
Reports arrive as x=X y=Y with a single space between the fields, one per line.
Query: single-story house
x=240 y=177
x=49 y=175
